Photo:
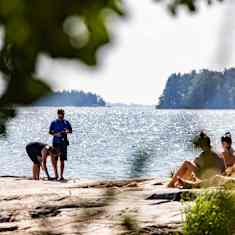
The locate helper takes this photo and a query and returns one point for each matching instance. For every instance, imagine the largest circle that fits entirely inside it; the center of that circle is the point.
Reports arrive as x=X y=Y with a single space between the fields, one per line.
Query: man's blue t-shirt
x=59 y=126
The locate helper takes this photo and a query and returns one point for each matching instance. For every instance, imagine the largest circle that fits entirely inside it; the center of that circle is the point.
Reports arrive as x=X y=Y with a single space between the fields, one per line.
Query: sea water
x=114 y=142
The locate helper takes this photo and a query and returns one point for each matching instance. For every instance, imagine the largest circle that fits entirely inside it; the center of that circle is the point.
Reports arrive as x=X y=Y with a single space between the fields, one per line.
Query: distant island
x=71 y=98
x=199 y=90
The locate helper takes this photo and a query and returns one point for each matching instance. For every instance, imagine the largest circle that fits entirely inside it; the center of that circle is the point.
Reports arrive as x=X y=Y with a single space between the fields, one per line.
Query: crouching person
x=38 y=153
x=203 y=167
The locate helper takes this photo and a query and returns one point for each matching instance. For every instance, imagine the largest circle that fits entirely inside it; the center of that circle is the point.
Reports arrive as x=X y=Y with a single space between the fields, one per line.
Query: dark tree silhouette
x=205 y=89
x=71 y=98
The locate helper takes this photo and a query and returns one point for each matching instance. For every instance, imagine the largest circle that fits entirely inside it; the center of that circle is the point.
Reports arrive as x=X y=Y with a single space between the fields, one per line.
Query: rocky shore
x=88 y=207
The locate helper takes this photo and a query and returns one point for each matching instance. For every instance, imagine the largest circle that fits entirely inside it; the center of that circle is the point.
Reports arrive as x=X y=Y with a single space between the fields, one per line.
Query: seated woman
x=206 y=165
x=228 y=155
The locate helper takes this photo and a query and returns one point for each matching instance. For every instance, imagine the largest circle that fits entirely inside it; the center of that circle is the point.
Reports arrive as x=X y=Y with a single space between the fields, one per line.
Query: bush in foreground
x=213 y=213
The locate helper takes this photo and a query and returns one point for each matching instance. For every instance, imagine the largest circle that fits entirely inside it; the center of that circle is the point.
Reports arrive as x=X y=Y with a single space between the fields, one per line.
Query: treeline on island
x=71 y=98
x=199 y=90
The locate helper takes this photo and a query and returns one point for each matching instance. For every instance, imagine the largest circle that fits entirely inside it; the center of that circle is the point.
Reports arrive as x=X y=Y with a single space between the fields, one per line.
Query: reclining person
x=206 y=165
x=38 y=153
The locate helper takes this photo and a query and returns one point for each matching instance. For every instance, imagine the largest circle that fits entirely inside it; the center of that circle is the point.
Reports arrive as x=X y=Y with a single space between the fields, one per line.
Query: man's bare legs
x=55 y=168
x=185 y=172
x=36 y=171
x=61 y=169
x=54 y=165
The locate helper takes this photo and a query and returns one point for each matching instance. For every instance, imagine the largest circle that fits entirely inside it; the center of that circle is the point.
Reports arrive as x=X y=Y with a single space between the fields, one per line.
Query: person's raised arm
x=52 y=130
x=197 y=162
x=194 y=165
x=221 y=156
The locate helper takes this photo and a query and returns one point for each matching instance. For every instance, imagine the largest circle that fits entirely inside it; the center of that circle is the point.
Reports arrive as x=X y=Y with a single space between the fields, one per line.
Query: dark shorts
x=62 y=149
x=32 y=155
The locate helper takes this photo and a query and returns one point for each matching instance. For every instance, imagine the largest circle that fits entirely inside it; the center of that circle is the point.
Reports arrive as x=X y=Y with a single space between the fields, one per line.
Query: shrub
x=130 y=224
x=213 y=213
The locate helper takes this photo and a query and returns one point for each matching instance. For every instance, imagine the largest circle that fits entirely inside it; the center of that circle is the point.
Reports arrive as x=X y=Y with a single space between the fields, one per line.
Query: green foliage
x=189 y=196
x=56 y=29
x=130 y=224
x=71 y=98
x=229 y=185
x=213 y=213
x=203 y=89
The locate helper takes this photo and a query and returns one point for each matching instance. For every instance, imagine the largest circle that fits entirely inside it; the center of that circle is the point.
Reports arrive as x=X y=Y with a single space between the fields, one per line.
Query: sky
x=148 y=46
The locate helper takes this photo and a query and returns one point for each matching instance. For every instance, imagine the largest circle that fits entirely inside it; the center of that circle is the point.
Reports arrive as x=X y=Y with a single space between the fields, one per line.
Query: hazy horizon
x=148 y=47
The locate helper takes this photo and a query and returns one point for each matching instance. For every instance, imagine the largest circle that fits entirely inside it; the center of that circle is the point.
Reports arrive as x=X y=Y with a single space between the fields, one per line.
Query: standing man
x=59 y=129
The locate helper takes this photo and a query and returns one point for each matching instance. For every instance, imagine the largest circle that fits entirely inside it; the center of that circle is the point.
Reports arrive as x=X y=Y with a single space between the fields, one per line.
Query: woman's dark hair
x=202 y=140
x=227 y=137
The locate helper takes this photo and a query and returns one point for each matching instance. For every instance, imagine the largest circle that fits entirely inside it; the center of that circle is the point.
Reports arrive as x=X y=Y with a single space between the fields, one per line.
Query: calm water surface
x=111 y=143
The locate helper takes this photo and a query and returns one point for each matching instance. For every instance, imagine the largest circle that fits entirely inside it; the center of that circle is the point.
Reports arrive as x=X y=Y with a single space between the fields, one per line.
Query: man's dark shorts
x=62 y=149
x=32 y=155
